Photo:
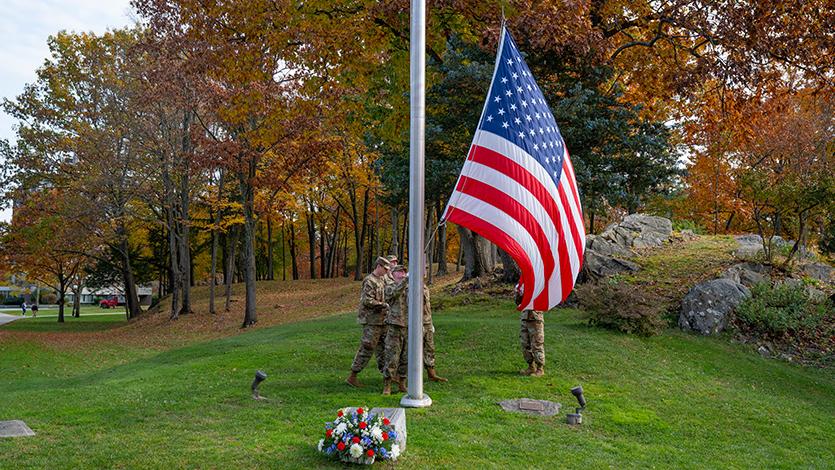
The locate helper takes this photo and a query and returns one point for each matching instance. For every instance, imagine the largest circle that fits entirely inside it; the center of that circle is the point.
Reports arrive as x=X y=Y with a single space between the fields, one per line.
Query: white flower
x=395 y=452
x=340 y=429
x=321 y=443
x=356 y=450
x=377 y=434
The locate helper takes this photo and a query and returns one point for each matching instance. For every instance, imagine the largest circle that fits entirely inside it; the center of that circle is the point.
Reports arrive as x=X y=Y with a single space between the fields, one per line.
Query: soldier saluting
x=371 y=314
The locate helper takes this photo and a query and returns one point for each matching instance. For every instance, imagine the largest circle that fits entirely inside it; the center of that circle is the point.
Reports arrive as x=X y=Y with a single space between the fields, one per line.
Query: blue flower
x=392 y=435
x=382 y=452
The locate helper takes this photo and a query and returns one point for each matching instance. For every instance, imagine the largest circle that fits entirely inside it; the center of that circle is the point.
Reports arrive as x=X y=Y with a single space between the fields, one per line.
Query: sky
x=25 y=26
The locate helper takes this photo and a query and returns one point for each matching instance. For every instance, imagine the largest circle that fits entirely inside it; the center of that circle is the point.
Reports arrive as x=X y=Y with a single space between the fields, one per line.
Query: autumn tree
x=45 y=242
x=77 y=133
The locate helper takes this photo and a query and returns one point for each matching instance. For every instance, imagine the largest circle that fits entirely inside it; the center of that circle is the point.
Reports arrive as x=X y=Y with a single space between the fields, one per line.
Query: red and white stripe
x=505 y=195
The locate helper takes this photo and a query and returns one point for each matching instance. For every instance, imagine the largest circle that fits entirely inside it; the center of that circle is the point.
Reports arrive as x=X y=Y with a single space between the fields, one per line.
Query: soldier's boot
x=386 y=386
x=529 y=371
x=353 y=380
x=540 y=371
x=435 y=377
x=401 y=385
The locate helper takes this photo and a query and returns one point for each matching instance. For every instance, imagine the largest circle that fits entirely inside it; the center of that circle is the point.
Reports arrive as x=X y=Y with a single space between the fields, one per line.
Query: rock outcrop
x=637 y=231
x=748 y=274
x=707 y=307
x=597 y=266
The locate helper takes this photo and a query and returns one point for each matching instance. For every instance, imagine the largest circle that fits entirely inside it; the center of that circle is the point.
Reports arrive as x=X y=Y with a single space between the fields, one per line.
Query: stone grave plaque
x=531 y=405
x=14 y=428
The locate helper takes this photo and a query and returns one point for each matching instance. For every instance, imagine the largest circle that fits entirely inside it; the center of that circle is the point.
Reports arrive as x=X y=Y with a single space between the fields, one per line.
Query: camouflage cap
x=391 y=258
x=399 y=267
x=383 y=262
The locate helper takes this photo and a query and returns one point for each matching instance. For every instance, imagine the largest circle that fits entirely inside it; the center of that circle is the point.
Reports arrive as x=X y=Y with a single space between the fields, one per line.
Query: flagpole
x=415 y=398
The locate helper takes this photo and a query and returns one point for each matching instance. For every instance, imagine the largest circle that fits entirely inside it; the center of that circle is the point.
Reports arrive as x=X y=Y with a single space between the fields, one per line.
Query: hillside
x=104 y=398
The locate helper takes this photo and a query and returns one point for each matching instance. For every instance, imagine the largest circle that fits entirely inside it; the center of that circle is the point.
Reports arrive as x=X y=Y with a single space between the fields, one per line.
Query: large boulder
x=748 y=274
x=636 y=231
x=820 y=271
x=707 y=307
x=749 y=246
x=597 y=266
x=649 y=231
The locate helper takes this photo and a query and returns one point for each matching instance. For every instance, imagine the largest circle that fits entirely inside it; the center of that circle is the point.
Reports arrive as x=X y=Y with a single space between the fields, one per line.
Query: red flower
x=370 y=452
x=339 y=413
x=341 y=445
x=363 y=425
x=355 y=440
x=386 y=421
x=329 y=432
x=385 y=436
x=359 y=411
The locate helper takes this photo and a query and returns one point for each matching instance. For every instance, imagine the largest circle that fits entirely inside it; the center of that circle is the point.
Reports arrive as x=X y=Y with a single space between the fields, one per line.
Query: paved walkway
x=8 y=318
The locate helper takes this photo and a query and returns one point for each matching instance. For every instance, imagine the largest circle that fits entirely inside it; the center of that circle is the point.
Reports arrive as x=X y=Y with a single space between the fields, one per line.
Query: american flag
x=517 y=187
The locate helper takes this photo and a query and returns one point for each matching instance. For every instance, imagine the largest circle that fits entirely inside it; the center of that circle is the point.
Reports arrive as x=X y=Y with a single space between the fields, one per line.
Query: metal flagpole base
x=409 y=402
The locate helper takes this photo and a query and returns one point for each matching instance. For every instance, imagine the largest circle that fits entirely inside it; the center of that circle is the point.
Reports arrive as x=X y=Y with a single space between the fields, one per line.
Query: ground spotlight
x=576 y=417
x=260 y=376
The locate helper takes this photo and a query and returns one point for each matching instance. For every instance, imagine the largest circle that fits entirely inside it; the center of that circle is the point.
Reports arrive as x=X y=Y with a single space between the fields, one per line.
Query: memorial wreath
x=357 y=436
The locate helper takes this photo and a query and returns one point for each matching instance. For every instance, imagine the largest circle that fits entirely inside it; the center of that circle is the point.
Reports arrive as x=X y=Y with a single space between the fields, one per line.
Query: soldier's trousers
x=428 y=346
x=373 y=337
x=532 y=337
x=397 y=355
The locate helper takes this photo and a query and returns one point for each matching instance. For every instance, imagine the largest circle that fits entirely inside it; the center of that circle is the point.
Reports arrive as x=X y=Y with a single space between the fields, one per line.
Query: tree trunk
x=429 y=254
x=213 y=272
x=175 y=279
x=311 y=239
x=377 y=246
x=62 y=289
x=359 y=232
x=395 y=219
x=247 y=193
x=131 y=304
x=184 y=239
x=232 y=245
x=293 y=256
x=442 y=245
x=460 y=255
x=591 y=222
x=403 y=241
x=283 y=257
x=323 y=270
x=270 y=267
x=476 y=253
x=333 y=244
x=510 y=270
x=345 y=254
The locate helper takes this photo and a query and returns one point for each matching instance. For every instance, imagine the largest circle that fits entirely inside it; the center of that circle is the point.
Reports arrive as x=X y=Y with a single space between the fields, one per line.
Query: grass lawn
x=672 y=401
x=93 y=318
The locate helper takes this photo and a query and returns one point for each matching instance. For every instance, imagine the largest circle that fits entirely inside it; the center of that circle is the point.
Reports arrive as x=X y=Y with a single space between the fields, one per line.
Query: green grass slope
x=672 y=401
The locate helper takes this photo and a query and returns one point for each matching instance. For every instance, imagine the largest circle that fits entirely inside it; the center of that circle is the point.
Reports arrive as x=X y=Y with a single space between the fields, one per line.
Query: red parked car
x=109 y=303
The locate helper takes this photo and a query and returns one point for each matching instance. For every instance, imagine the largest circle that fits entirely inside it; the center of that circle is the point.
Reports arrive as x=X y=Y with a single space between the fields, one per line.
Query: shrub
x=679 y=225
x=624 y=307
x=13 y=300
x=782 y=309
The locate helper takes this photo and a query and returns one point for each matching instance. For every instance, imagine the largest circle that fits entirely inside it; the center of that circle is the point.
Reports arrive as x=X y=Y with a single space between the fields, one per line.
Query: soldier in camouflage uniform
x=397 y=322
x=532 y=337
x=371 y=316
x=429 y=339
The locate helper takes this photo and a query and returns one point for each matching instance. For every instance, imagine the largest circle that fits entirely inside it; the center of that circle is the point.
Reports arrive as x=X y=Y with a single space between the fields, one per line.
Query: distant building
x=94 y=296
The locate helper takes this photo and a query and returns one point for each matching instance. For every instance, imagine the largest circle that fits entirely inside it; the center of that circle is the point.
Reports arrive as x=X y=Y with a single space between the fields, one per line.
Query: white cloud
x=25 y=26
